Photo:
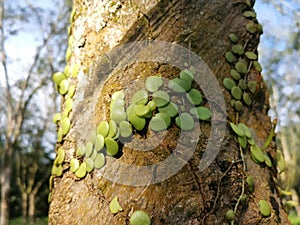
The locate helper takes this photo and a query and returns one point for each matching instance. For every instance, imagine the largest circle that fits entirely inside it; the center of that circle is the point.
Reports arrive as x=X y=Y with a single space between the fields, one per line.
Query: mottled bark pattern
x=190 y=196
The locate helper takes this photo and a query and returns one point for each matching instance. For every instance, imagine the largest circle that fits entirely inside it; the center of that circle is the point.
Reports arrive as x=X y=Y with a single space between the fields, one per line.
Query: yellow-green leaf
x=140 y=218
x=114 y=206
x=264 y=208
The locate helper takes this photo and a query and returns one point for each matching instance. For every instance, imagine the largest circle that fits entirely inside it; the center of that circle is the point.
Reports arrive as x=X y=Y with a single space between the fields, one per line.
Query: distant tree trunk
x=27 y=166
x=32 y=198
x=5 y=188
x=190 y=196
x=24 y=207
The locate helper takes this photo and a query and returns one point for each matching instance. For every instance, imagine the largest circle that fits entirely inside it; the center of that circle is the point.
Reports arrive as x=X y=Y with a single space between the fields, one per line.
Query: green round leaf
x=201 y=112
x=59 y=135
x=250 y=183
x=81 y=172
x=138 y=122
x=56 y=117
x=238 y=49
x=241 y=67
x=230 y=215
x=58 y=77
x=118 y=114
x=68 y=104
x=140 y=110
x=252 y=86
x=251 y=141
x=57 y=170
x=140 y=218
x=93 y=155
x=171 y=109
x=140 y=97
x=114 y=206
x=236 y=92
x=186 y=75
x=64 y=87
x=238 y=130
x=152 y=105
x=165 y=117
x=64 y=114
x=268 y=161
x=71 y=91
x=99 y=161
x=243 y=84
x=118 y=95
x=88 y=149
x=238 y=106
x=68 y=54
x=257 y=153
x=161 y=98
x=65 y=125
x=117 y=104
x=74 y=165
x=99 y=142
x=230 y=57
x=185 y=121
x=75 y=70
x=251 y=55
x=71 y=41
x=157 y=124
x=264 y=208
x=153 y=83
x=232 y=102
x=125 y=129
x=89 y=164
x=235 y=75
x=194 y=96
x=112 y=146
x=245 y=129
x=67 y=70
x=80 y=151
x=247 y=98
x=233 y=38
x=242 y=141
x=250 y=3
x=251 y=27
x=257 y=66
x=179 y=85
x=229 y=83
x=249 y=14
x=60 y=155
x=103 y=128
x=113 y=129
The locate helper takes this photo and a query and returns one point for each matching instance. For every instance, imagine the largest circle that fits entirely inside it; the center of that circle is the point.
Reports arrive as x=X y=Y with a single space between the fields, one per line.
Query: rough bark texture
x=190 y=196
x=5 y=187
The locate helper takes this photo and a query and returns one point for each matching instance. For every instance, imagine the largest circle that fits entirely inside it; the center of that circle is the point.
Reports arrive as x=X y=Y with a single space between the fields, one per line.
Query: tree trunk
x=204 y=170
x=24 y=207
x=32 y=197
x=5 y=188
x=6 y=171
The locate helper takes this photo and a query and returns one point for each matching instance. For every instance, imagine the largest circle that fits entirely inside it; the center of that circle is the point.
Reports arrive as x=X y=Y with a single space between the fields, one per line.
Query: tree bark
x=190 y=196
x=24 y=207
x=32 y=198
x=5 y=188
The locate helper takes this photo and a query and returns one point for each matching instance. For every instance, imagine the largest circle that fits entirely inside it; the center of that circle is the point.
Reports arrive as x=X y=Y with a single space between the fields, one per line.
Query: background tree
x=191 y=196
x=26 y=82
